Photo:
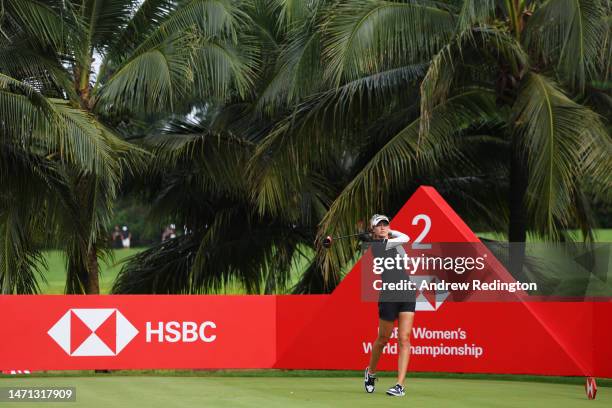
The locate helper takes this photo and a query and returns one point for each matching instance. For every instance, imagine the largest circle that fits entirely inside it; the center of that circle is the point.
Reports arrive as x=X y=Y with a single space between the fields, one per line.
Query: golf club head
x=327 y=241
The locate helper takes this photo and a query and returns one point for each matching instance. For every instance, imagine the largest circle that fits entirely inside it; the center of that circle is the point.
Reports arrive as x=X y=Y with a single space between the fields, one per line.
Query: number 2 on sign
x=417 y=242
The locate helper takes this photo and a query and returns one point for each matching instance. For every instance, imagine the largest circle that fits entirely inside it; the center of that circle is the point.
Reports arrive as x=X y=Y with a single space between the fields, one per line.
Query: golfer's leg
x=405 y=321
x=385 y=328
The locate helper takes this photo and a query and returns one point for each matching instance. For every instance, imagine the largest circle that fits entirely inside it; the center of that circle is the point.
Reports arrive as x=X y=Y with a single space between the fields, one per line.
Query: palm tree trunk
x=517 y=228
x=93 y=283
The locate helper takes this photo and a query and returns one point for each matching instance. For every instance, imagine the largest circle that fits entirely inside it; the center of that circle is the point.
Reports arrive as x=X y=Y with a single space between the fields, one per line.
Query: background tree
x=494 y=81
x=271 y=123
x=152 y=56
x=199 y=180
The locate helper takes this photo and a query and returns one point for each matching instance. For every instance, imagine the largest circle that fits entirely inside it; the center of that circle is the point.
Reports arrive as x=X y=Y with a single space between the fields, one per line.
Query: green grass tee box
x=297 y=392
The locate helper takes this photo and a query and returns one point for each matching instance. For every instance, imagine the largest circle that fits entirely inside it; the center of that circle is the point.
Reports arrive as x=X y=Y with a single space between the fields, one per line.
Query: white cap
x=376 y=218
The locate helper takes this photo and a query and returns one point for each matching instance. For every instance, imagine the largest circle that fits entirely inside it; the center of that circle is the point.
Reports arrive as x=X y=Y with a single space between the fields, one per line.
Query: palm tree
x=154 y=56
x=44 y=141
x=317 y=112
x=503 y=94
x=199 y=180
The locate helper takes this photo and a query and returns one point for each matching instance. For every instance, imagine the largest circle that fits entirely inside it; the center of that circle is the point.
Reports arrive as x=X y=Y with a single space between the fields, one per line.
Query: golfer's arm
x=399 y=238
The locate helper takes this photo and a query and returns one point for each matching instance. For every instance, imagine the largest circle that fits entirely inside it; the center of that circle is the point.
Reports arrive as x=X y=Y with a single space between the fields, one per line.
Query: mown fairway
x=56 y=271
x=295 y=392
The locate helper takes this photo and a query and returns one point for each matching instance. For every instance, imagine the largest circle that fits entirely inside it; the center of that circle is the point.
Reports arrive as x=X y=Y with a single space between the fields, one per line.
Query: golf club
x=328 y=240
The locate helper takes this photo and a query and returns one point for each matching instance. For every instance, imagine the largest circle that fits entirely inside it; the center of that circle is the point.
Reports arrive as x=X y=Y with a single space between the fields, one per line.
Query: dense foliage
x=259 y=126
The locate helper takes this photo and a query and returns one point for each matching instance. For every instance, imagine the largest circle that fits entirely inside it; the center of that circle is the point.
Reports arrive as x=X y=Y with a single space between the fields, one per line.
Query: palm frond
x=161 y=269
x=215 y=19
x=149 y=15
x=213 y=160
x=205 y=261
x=31 y=186
x=152 y=81
x=52 y=125
x=562 y=140
x=21 y=264
x=266 y=251
x=570 y=35
x=298 y=72
x=303 y=141
x=490 y=43
x=365 y=37
x=220 y=68
x=167 y=75
x=103 y=19
x=42 y=21
x=402 y=158
x=476 y=12
x=42 y=72
x=85 y=235
x=292 y=13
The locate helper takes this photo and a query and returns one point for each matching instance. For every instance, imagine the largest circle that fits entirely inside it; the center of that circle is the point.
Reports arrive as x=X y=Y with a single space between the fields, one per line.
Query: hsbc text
x=186 y=332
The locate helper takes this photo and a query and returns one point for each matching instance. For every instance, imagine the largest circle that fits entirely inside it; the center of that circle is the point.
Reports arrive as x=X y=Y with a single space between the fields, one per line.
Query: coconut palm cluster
x=261 y=126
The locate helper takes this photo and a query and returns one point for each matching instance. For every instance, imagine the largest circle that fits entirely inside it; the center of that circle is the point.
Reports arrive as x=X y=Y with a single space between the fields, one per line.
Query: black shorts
x=390 y=311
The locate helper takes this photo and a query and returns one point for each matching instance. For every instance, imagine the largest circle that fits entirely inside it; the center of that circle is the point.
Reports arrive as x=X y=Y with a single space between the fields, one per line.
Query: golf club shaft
x=347 y=236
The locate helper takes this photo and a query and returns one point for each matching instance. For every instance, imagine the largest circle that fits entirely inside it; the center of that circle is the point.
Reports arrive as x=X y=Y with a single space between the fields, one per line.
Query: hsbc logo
x=93 y=332
x=428 y=300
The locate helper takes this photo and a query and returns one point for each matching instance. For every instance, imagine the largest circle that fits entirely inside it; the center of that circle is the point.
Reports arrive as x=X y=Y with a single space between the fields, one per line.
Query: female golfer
x=392 y=305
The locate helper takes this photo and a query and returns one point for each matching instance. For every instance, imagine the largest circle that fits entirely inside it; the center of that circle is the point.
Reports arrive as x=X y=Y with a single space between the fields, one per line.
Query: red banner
x=308 y=332
x=83 y=332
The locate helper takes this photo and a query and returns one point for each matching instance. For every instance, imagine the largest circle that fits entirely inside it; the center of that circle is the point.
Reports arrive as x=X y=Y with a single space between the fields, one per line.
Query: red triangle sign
x=79 y=332
x=107 y=332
